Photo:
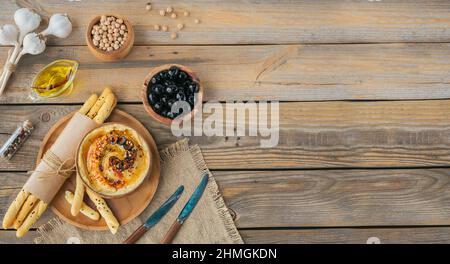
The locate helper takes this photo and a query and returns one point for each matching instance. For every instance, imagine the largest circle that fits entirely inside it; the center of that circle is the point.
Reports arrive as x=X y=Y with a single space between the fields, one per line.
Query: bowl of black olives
x=171 y=91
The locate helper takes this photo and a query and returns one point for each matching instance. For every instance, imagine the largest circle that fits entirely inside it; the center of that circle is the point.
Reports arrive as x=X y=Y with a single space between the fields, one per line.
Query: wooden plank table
x=364 y=91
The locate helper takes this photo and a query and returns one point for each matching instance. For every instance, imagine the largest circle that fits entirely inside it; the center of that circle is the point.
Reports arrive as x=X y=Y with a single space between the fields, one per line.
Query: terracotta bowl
x=114 y=55
x=149 y=109
x=82 y=171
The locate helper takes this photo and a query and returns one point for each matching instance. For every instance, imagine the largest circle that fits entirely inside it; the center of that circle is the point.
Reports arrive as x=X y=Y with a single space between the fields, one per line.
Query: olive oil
x=55 y=79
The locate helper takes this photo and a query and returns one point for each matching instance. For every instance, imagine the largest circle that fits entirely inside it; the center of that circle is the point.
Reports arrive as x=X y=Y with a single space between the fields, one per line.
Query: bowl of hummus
x=113 y=160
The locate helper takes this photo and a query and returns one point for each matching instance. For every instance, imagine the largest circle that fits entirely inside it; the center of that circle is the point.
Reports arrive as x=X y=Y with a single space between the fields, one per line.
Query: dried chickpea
x=180 y=26
x=165 y=28
x=109 y=34
x=174 y=35
x=157 y=27
x=197 y=21
x=162 y=12
x=169 y=9
x=186 y=13
x=173 y=15
x=148 y=6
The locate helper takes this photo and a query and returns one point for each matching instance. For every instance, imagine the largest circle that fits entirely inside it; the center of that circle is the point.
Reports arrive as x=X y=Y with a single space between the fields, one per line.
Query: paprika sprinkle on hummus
x=113 y=159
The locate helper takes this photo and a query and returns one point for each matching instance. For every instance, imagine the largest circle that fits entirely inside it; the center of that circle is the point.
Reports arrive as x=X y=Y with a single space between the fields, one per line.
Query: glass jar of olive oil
x=54 y=79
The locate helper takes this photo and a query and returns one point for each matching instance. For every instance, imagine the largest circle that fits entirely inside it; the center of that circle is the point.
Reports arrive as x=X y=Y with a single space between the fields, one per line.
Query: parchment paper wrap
x=65 y=148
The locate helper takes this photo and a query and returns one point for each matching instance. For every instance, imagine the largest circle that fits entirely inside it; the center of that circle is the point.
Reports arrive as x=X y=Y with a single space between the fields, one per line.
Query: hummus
x=113 y=159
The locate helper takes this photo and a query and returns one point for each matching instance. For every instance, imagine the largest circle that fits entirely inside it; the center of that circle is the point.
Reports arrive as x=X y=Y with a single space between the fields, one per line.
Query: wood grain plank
x=281 y=72
x=429 y=235
x=311 y=135
x=423 y=235
x=337 y=197
x=262 y=22
x=317 y=198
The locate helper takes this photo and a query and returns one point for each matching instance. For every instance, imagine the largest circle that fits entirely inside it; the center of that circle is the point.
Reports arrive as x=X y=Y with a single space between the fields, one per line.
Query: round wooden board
x=125 y=208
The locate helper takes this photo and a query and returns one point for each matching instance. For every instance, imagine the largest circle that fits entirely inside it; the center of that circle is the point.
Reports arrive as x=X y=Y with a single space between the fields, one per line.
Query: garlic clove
x=27 y=21
x=9 y=35
x=33 y=44
x=58 y=26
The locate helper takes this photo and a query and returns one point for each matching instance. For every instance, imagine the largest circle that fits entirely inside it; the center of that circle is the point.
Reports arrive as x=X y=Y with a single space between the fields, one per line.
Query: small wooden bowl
x=114 y=55
x=149 y=109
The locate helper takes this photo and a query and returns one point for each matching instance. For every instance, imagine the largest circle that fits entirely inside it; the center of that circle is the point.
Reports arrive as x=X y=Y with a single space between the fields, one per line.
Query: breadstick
x=85 y=209
x=98 y=104
x=104 y=210
x=106 y=109
x=78 y=197
x=14 y=208
x=32 y=217
x=88 y=104
x=26 y=208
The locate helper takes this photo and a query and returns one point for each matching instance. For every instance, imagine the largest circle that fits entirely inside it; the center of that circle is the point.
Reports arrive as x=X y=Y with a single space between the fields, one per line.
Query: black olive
x=163 y=100
x=153 y=80
x=164 y=113
x=182 y=76
x=170 y=115
x=152 y=98
x=170 y=102
x=193 y=87
x=162 y=74
x=128 y=145
x=191 y=100
x=173 y=71
x=121 y=140
x=157 y=89
x=168 y=83
x=170 y=89
x=181 y=96
x=156 y=107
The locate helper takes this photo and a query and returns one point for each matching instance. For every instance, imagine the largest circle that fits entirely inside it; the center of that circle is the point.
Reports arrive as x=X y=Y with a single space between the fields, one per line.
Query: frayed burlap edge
x=213 y=188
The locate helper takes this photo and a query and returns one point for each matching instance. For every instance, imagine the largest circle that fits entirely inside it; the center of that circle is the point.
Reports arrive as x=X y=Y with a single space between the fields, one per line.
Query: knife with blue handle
x=190 y=205
x=155 y=217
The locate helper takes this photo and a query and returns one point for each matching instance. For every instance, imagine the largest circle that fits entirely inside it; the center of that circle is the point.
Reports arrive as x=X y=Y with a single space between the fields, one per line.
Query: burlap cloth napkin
x=181 y=164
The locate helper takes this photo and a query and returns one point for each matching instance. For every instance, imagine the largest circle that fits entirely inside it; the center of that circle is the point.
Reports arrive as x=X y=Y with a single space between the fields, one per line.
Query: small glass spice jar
x=16 y=140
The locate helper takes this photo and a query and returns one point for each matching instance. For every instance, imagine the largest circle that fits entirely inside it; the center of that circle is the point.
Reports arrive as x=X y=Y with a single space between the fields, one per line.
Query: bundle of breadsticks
x=36 y=194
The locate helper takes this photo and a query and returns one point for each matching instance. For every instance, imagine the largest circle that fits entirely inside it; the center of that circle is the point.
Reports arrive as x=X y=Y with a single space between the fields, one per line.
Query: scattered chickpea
x=157 y=27
x=180 y=26
x=148 y=7
x=173 y=15
x=174 y=35
x=197 y=21
x=165 y=28
x=162 y=12
x=169 y=9
x=186 y=13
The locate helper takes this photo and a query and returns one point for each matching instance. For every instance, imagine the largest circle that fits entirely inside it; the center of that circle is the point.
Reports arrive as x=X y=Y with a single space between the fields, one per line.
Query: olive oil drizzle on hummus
x=112 y=157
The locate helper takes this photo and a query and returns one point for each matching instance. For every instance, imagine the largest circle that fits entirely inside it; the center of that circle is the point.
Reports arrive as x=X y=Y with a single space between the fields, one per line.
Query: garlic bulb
x=9 y=35
x=33 y=44
x=27 y=21
x=58 y=26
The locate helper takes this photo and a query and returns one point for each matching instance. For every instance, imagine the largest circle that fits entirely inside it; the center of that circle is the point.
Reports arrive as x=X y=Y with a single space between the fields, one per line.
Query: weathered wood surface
x=312 y=135
x=277 y=72
x=307 y=63
x=422 y=235
x=263 y=22
x=318 y=198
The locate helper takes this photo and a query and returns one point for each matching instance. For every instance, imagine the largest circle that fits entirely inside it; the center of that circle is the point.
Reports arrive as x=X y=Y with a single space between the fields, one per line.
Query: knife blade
x=187 y=210
x=155 y=217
